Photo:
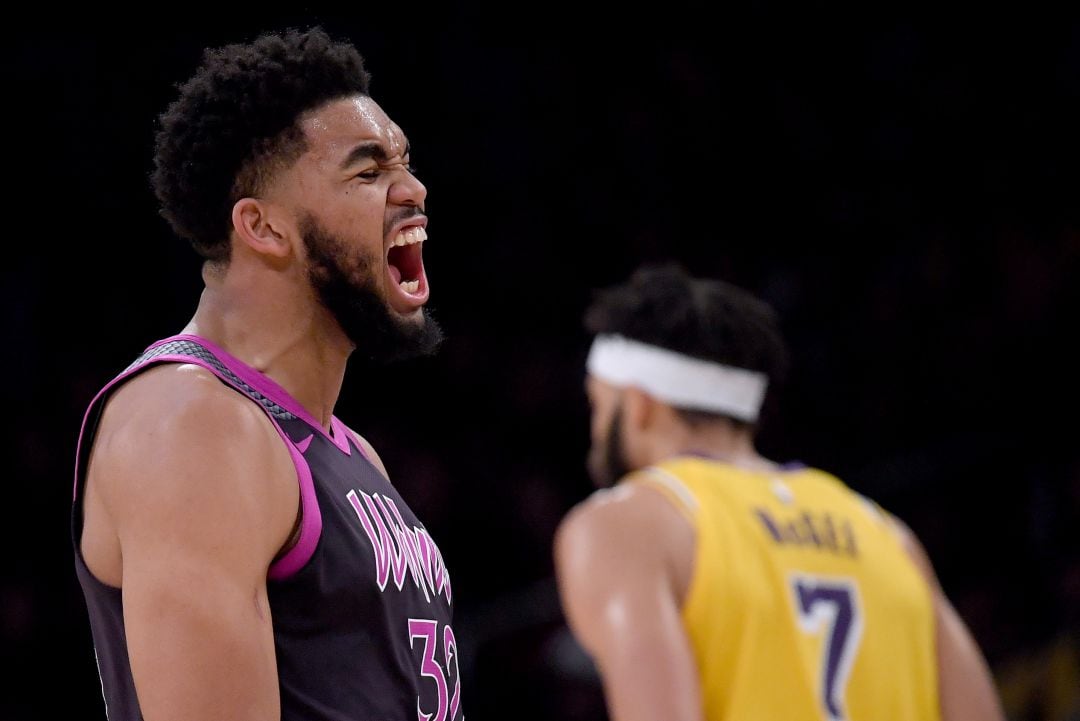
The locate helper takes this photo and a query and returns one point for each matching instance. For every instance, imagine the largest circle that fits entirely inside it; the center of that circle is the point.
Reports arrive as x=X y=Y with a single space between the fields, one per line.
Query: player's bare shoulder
x=622 y=512
x=177 y=405
x=175 y=443
x=631 y=525
x=616 y=554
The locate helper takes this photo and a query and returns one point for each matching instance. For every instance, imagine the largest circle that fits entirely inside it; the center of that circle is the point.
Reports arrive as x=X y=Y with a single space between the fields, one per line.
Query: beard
x=608 y=462
x=351 y=294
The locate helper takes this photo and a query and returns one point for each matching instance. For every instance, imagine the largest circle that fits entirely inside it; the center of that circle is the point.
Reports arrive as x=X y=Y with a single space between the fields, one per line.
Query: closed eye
x=374 y=173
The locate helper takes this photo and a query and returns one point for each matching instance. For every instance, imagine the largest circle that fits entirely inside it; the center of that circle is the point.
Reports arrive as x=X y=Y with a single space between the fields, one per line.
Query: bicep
x=199 y=636
x=965 y=683
x=621 y=605
x=201 y=502
x=645 y=658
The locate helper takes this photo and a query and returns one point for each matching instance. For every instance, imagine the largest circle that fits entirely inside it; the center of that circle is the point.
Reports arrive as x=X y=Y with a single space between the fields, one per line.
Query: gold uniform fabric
x=802 y=605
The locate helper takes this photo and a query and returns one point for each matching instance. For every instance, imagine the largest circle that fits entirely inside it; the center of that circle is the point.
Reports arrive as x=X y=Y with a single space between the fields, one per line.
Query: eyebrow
x=369 y=149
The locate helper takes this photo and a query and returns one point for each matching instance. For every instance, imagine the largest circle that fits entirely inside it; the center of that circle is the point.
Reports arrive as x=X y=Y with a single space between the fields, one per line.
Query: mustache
x=402 y=216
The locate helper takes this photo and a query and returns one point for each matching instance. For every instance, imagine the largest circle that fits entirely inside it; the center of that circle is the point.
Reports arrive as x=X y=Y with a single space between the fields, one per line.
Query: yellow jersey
x=802 y=603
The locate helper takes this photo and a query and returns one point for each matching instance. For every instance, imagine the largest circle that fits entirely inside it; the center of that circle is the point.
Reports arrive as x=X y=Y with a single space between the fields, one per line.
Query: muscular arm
x=200 y=494
x=965 y=685
x=618 y=562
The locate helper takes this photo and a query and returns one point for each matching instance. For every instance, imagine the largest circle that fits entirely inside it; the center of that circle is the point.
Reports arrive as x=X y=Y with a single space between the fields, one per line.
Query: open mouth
x=405 y=261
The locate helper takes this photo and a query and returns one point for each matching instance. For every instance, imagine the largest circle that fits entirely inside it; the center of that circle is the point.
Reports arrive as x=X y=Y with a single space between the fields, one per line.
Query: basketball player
x=712 y=583
x=242 y=553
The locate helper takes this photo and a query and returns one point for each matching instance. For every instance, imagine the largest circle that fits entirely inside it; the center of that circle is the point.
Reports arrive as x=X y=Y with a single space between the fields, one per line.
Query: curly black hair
x=235 y=122
x=663 y=305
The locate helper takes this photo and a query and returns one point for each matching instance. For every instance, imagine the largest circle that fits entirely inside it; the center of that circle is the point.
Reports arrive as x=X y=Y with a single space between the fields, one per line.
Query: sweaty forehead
x=336 y=128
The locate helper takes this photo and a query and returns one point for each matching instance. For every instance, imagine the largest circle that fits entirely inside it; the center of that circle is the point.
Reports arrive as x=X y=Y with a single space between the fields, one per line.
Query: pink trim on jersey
x=265 y=385
x=341 y=436
x=311 y=523
x=310 y=519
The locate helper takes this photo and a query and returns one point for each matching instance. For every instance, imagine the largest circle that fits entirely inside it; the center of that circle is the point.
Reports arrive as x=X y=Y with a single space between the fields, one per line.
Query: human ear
x=639 y=409
x=262 y=227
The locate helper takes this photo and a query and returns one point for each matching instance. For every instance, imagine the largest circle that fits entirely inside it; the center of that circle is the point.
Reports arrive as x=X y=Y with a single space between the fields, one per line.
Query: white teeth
x=410 y=236
x=410 y=286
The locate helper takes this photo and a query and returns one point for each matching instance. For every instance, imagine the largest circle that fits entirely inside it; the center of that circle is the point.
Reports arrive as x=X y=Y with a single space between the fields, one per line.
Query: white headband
x=678 y=379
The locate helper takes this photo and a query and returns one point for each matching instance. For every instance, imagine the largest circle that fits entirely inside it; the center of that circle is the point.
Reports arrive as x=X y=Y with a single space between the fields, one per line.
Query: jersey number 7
x=830 y=606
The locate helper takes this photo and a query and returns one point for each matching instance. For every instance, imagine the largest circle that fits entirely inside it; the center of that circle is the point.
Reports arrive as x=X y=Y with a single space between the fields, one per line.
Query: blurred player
x=712 y=583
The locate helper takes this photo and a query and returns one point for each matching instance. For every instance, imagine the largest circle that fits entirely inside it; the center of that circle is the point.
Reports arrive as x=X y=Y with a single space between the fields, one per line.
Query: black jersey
x=361 y=604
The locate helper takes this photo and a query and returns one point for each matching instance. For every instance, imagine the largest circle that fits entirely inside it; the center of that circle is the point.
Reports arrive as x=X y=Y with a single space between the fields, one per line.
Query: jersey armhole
x=669 y=485
x=679 y=496
x=295 y=558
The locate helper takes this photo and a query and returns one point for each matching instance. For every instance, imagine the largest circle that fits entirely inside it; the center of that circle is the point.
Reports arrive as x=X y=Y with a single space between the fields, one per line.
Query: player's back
x=802 y=602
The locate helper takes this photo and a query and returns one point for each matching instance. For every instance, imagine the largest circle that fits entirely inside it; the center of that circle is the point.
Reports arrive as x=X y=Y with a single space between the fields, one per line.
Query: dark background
x=904 y=193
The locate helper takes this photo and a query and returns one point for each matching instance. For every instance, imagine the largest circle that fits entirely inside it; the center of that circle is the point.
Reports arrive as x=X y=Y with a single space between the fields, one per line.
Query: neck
x=720 y=442
x=279 y=330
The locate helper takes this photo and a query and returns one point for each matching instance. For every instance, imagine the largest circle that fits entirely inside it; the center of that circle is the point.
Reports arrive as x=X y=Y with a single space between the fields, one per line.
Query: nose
x=407 y=190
